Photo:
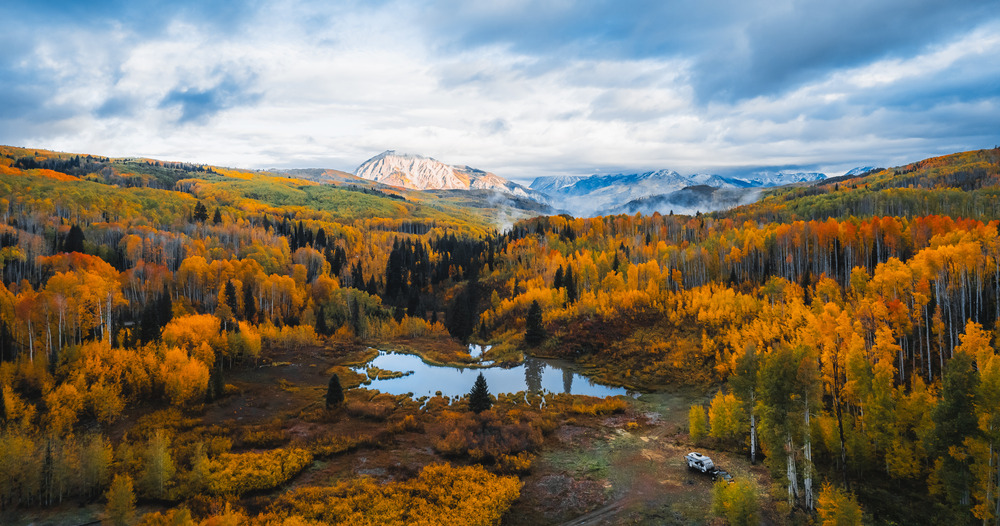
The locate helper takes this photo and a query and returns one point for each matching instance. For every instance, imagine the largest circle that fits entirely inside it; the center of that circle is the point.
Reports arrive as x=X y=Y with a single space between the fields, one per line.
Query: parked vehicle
x=724 y=475
x=699 y=462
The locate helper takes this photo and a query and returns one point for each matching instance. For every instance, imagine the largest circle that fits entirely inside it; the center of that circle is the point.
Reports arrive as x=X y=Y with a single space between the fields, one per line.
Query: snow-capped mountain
x=860 y=170
x=553 y=184
x=425 y=173
x=766 y=179
x=606 y=193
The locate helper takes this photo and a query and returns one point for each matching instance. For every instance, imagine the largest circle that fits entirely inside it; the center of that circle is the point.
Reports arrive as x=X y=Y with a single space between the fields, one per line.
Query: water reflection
x=534 y=375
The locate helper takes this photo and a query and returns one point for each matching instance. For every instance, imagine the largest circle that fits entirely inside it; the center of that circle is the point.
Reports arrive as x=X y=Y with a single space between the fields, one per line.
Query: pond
x=534 y=375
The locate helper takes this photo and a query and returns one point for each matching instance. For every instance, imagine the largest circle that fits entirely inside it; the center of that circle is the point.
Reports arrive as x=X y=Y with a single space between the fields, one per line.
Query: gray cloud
x=517 y=88
x=198 y=105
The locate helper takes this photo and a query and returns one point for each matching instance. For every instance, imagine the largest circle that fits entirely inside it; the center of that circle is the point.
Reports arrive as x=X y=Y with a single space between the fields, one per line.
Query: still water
x=533 y=375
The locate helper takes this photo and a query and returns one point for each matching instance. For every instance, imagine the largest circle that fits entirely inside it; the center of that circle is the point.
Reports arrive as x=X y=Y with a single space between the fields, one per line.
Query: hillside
x=204 y=340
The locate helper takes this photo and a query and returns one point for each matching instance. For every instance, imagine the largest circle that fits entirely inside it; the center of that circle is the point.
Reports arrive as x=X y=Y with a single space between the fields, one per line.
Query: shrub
x=241 y=473
x=836 y=507
x=597 y=406
x=440 y=494
x=486 y=437
x=371 y=410
x=737 y=502
x=408 y=423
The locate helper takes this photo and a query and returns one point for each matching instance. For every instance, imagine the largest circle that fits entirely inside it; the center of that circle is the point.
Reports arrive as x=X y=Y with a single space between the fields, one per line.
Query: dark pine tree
x=570 y=283
x=164 y=308
x=334 y=393
x=479 y=398
x=231 y=300
x=321 y=327
x=462 y=314
x=357 y=277
x=217 y=216
x=535 y=331
x=249 y=303
x=74 y=240
x=557 y=281
x=372 y=287
x=149 y=325
x=320 y=239
x=200 y=212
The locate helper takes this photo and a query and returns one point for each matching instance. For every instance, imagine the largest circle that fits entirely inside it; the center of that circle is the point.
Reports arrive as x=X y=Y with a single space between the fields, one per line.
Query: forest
x=840 y=339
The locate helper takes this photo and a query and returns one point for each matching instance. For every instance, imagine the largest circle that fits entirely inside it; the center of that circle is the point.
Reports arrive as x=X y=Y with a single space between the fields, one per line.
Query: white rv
x=699 y=462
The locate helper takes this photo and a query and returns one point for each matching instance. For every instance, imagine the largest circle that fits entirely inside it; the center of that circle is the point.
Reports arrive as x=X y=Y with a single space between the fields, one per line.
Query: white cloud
x=336 y=88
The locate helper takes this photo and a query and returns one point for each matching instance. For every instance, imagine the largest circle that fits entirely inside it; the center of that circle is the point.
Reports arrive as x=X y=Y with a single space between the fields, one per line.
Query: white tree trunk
x=793 y=481
x=807 y=467
x=753 y=432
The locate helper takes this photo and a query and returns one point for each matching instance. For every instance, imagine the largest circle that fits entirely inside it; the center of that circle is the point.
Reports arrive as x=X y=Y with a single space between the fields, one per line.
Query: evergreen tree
x=321 y=327
x=74 y=240
x=357 y=277
x=217 y=216
x=395 y=276
x=334 y=393
x=570 y=283
x=231 y=300
x=557 y=281
x=320 y=239
x=479 y=398
x=149 y=325
x=165 y=308
x=535 y=331
x=460 y=319
x=200 y=212
x=249 y=303
x=338 y=261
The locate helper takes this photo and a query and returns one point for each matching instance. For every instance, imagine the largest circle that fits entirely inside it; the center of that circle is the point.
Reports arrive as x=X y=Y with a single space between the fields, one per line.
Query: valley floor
x=621 y=468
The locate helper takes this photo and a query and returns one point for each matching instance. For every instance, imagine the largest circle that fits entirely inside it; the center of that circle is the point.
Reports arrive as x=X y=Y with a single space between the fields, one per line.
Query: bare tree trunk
x=793 y=481
x=753 y=432
x=807 y=466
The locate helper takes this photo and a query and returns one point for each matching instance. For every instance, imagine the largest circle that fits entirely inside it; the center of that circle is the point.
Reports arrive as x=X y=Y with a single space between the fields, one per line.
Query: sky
x=520 y=88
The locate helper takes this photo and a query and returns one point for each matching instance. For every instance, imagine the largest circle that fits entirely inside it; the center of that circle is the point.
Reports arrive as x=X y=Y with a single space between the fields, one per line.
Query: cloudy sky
x=521 y=88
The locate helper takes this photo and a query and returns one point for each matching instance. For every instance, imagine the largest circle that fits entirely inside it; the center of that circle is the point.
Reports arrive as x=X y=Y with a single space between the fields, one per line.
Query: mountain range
x=659 y=191
x=652 y=191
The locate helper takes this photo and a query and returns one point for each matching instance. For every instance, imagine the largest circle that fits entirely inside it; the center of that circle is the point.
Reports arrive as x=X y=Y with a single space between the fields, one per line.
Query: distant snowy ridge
x=599 y=193
x=861 y=170
x=767 y=179
x=425 y=173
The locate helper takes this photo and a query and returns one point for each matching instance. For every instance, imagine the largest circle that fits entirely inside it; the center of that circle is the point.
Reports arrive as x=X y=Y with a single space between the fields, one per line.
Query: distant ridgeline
x=372 y=191
x=960 y=185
